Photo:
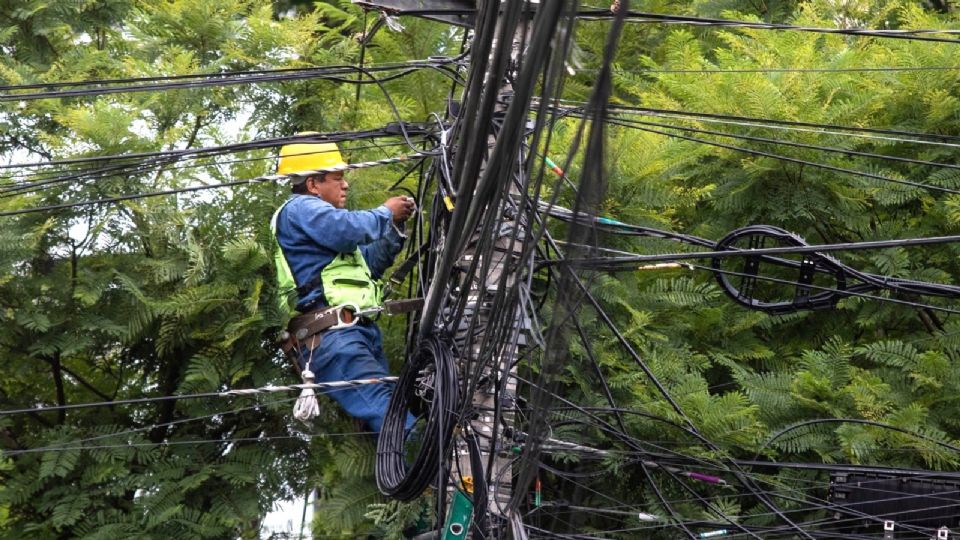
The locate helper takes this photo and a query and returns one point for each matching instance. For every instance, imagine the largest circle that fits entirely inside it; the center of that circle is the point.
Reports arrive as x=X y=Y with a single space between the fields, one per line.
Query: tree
x=173 y=295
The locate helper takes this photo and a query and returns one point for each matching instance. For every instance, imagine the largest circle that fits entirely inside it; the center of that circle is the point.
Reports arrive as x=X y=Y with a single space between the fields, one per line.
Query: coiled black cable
x=428 y=379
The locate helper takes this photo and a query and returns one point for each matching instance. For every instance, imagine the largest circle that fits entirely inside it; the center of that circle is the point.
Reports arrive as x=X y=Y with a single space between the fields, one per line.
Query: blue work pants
x=354 y=353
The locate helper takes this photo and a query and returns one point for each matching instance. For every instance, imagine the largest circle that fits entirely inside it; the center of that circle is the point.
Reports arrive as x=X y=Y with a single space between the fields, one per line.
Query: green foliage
x=158 y=296
x=744 y=377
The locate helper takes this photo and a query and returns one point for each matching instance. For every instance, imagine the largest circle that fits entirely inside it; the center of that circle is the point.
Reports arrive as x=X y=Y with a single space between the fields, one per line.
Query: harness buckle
x=343 y=323
x=355 y=315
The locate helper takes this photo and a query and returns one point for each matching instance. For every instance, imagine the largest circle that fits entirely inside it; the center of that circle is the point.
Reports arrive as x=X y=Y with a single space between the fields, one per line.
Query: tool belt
x=303 y=327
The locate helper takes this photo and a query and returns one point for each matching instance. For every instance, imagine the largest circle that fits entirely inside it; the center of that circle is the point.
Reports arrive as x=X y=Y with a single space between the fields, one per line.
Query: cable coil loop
x=428 y=380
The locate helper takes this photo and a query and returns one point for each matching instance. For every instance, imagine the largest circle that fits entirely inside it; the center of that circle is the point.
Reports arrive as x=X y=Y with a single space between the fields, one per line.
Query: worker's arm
x=339 y=230
x=380 y=253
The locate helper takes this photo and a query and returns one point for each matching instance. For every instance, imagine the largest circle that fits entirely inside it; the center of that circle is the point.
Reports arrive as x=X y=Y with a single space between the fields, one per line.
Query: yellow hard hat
x=298 y=158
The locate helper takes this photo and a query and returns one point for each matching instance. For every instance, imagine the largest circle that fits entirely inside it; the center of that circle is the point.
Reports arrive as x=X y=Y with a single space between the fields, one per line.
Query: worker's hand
x=401 y=208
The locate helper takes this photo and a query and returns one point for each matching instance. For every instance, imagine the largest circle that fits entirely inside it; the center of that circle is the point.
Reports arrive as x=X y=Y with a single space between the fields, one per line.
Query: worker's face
x=331 y=187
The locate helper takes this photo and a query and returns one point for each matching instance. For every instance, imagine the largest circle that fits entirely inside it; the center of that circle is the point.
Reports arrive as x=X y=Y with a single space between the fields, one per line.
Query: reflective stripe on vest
x=286 y=284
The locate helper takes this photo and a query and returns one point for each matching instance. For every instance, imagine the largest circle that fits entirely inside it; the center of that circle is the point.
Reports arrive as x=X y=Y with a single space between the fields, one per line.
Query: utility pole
x=480 y=274
x=492 y=399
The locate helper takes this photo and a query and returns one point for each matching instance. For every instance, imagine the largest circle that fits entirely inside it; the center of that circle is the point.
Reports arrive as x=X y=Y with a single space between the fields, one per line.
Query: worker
x=335 y=257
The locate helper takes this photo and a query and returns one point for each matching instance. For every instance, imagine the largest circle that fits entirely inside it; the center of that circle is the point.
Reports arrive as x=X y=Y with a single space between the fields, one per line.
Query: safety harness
x=348 y=287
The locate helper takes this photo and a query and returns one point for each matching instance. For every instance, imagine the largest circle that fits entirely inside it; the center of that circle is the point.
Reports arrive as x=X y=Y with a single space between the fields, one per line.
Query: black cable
x=334 y=136
x=725 y=249
x=225 y=74
x=337 y=136
x=640 y=16
x=779 y=142
x=394 y=477
x=333 y=73
x=719 y=116
x=878 y=69
x=568 y=106
x=872 y=423
x=39 y=181
x=798 y=161
x=107 y=200
x=480 y=487
x=608 y=322
x=835 y=292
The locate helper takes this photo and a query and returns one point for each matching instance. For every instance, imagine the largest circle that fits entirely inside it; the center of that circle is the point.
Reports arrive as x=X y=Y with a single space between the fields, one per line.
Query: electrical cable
x=177 y=191
x=182 y=443
x=573 y=105
x=779 y=142
x=92 y=173
x=144 y=428
x=430 y=377
x=332 y=73
x=872 y=423
x=323 y=387
x=224 y=74
x=640 y=16
x=789 y=159
x=877 y=69
x=625 y=344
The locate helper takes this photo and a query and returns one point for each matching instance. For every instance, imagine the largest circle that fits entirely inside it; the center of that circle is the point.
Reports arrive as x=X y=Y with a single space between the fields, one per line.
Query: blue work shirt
x=312 y=232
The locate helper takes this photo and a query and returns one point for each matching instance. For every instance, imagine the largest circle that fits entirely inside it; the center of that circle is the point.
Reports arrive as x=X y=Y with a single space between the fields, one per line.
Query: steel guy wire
x=257 y=180
x=191 y=442
x=331 y=386
x=143 y=428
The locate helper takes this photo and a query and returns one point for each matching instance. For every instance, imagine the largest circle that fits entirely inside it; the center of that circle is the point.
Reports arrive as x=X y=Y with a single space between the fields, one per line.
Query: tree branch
x=86 y=384
x=58 y=383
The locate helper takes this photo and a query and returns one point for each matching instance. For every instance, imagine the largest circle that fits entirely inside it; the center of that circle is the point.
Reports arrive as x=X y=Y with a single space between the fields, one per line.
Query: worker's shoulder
x=298 y=204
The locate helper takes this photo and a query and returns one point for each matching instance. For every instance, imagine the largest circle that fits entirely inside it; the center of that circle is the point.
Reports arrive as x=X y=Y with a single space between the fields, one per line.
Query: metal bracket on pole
x=457 y=12
x=888 y=530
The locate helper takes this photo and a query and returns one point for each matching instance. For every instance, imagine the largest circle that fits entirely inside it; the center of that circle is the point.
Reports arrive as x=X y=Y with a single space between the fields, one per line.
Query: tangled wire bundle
x=430 y=380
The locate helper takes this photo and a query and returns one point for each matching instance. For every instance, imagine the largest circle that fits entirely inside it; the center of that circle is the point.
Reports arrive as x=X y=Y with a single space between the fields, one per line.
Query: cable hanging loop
x=306 y=408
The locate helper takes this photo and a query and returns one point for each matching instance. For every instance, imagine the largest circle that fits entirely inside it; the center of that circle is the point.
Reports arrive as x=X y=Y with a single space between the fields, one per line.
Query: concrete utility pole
x=495 y=388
